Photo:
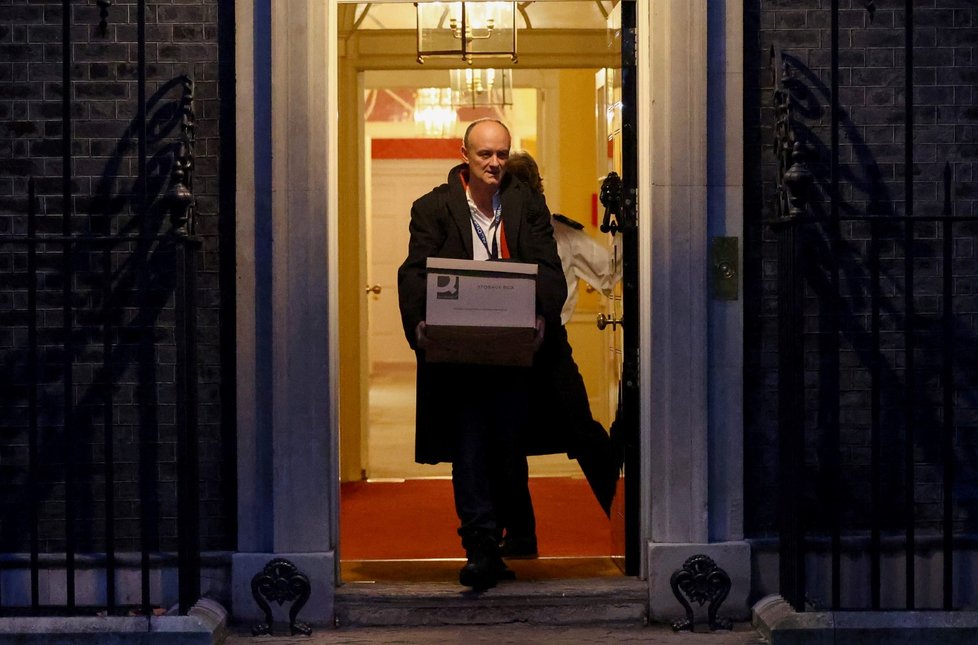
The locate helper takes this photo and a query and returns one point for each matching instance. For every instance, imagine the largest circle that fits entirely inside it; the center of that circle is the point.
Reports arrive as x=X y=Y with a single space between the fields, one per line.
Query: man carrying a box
x=474 y=415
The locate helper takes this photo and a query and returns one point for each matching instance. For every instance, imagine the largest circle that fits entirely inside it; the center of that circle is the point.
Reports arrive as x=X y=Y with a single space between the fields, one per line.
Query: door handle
x=603 y=321
x=374 y=289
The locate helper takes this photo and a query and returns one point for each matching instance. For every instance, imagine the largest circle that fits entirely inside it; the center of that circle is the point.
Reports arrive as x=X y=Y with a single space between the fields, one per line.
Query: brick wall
x=871 y=170
x=181 y=41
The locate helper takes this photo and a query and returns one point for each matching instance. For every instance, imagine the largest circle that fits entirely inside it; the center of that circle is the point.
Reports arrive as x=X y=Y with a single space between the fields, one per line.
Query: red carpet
x=416 y=519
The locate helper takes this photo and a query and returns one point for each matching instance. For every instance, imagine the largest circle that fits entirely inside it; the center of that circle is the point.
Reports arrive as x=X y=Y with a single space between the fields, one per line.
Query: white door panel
x=394 y=185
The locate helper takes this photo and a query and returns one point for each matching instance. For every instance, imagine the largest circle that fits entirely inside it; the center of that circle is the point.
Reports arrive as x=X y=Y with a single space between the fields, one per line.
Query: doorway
x=377 y=430
x=289 y=363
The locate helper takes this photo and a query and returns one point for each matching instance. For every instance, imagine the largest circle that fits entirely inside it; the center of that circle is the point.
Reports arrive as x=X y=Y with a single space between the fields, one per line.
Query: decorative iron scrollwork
x=280 y=581
x=179 y=199
x=103 y=14
x=794 y=179
x=701 y=580
x=797 y=180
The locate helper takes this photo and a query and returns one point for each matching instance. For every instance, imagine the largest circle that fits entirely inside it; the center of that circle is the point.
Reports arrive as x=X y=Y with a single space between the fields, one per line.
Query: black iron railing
x=863 y=367
x=109 y=483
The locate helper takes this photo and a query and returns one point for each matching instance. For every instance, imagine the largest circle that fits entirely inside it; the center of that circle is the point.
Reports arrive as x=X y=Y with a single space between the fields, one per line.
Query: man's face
x=487 y=152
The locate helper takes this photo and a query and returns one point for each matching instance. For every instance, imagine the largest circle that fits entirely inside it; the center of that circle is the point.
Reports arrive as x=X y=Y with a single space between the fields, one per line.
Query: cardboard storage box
x=480 y=312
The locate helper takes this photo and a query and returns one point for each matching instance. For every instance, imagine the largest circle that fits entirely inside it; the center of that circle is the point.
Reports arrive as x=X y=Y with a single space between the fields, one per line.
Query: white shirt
x=479 y=250
x=582 y=258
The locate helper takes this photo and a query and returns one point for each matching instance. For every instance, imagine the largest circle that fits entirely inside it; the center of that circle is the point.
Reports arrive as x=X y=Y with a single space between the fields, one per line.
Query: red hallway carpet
x=415 y=519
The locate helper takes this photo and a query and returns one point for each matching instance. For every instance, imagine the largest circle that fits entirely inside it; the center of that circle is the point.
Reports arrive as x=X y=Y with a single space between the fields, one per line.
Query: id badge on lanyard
x=493 y=252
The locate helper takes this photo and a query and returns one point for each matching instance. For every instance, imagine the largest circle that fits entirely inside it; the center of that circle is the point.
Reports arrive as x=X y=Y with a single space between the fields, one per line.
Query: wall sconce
x=466 y=29
x=474 y=87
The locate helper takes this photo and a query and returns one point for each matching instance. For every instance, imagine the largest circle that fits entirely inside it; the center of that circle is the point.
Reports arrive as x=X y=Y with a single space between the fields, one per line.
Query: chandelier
x=434 y=113
x=466 y=29
x=474 y=87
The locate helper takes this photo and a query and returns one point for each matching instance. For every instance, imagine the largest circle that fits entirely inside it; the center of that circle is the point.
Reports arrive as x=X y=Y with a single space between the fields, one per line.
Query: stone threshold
x=582 y=601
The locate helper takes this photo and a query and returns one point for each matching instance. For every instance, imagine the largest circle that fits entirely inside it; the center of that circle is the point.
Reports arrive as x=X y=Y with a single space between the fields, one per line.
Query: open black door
x=629 y=415
x=629 y=392
x=618 y=196
x=628 y=412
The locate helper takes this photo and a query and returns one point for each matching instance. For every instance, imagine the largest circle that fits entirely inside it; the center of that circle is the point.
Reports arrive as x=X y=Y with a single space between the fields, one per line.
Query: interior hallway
x=399 y=525
x=390 y=442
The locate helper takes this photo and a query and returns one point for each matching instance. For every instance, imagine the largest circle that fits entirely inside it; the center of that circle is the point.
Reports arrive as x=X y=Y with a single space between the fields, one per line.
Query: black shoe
x=478 y=575
x=482 y=569
x=518 y=548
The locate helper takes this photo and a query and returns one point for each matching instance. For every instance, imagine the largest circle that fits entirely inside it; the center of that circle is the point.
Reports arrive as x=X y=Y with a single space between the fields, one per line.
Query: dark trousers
x=489 y=468
x=515 y=513
x=564 y=406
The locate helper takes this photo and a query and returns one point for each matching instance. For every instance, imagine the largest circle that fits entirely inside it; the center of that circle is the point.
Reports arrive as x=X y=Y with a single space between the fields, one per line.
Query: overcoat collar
x=458 y=207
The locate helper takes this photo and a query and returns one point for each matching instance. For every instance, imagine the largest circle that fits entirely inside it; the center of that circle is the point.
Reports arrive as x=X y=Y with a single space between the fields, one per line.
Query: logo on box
x=446 y=287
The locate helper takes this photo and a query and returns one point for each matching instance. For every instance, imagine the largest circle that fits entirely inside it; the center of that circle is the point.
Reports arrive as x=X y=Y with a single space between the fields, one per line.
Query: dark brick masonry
x=871 y=158
x=181 y=39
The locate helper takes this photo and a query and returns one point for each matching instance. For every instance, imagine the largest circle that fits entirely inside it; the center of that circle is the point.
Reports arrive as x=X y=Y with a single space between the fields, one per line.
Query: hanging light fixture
x=466 y=29
x=476 y=87
x=434 y=114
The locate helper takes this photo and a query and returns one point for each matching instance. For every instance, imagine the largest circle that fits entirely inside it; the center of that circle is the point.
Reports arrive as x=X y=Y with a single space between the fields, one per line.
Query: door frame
x=691 y=483
x=372 y=52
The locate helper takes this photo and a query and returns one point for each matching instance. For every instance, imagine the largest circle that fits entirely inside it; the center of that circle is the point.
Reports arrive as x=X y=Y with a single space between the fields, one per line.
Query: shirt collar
x=463 y=175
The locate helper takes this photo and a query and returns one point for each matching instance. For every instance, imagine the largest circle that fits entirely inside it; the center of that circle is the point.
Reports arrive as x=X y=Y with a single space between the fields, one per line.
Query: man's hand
x=538 y=339
x=420 y=337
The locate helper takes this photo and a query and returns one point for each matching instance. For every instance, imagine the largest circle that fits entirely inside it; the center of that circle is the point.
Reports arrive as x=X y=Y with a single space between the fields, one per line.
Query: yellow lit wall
x=578 y=177
x=576 y=169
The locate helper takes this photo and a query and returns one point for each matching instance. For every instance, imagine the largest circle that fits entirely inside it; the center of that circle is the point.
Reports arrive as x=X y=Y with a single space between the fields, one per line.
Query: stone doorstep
x=552 y=602
x=780 y=624
x=205 y=624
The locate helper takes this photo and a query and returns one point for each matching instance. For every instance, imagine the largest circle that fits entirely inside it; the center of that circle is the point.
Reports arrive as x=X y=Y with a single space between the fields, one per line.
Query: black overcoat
x=441 y=227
